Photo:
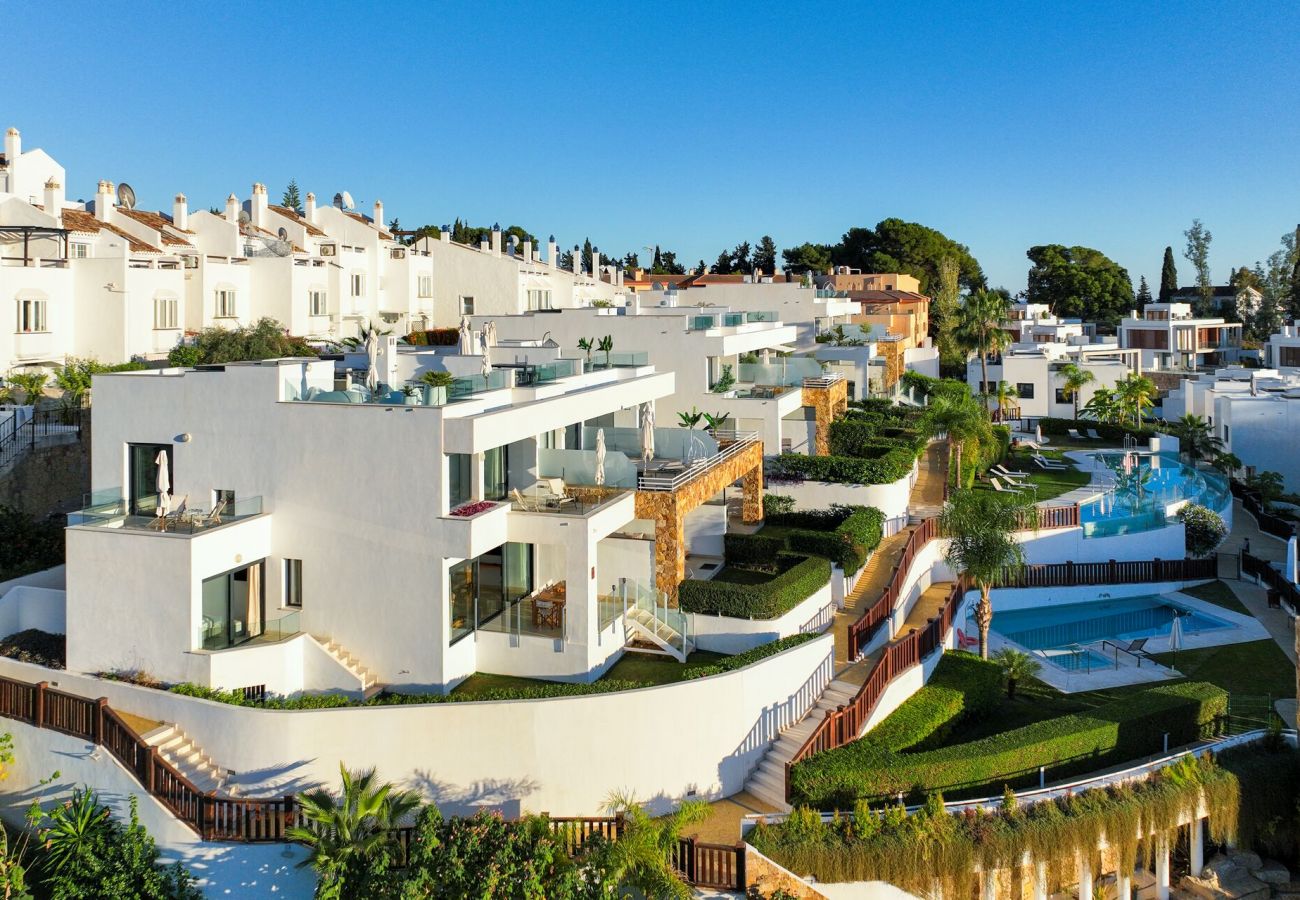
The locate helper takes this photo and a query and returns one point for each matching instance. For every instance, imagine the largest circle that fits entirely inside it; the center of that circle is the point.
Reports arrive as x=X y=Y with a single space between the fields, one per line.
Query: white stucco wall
x=725 y=634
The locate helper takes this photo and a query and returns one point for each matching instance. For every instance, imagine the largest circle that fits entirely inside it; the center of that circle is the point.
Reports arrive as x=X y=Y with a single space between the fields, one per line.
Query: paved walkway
x=1244 y=528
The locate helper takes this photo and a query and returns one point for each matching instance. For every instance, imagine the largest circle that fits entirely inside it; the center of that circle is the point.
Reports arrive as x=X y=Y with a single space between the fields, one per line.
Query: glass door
x=233 y=607
x=142 y=479
x=495 y=466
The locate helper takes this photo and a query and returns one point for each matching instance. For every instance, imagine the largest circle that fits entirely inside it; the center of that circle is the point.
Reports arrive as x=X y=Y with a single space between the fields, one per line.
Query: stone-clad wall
x=828 y=403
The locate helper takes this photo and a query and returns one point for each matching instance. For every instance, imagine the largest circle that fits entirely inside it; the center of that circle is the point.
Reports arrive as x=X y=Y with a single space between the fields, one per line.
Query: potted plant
x=605 y=346
x=436 y=385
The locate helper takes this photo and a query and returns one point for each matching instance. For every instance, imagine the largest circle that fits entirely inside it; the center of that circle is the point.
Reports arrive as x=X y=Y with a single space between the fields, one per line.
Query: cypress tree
x=1144 y=293
x=1168 y=276
x=1293 y=300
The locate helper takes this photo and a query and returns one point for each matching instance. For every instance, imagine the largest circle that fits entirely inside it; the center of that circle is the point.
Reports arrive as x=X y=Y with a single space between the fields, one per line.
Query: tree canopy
x=1079 y=281
x=265 y=339
x=1168 y=276
x=898 y=246
x=807 y=258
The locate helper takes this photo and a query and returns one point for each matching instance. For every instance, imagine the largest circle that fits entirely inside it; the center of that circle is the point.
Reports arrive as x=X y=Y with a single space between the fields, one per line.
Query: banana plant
x=605 y=346
x=690 y=419
x=715 y=421
x=587 y=345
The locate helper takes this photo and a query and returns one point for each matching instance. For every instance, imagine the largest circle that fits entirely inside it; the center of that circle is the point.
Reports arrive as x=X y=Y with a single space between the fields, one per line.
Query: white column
x=1162 y=868
x=1040 y=879
x=476 y=476
x=1123 y=885
x=1197 y=845
x=1085 y=876
x=990 y=885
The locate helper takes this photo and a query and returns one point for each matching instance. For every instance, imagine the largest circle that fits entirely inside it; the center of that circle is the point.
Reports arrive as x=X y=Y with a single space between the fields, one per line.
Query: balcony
x=110 y=509
x=416 y=393
x=680 y=455
x=474 y=528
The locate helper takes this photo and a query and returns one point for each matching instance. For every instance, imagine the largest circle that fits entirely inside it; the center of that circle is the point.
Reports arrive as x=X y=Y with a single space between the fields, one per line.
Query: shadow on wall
x=505 y=796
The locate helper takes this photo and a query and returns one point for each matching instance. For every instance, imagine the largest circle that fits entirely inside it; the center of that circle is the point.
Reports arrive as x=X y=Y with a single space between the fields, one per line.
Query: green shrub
x=1115 y=732
x=892 y=466
x=843 y=534
x=740 y=660
x=27 y=544
x=1203 y=529
x=962 y=687
x=776 y=504
x=751 y=549
x=1109 y=430
x=769 y=600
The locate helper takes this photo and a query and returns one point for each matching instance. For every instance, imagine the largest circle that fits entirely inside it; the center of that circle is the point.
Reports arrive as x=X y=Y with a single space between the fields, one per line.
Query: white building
x=814 y=310
x=1283 y=349
x=1035 y=371
x=1170 y=338
x=315 y=541
x=1034 y=323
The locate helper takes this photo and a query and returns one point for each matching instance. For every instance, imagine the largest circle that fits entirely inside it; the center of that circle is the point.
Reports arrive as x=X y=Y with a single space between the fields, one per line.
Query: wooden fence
x=249 y=820
x=1254 y=504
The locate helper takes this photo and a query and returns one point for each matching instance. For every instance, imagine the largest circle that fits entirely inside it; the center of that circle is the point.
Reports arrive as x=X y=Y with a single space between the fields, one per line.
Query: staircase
x=179 y=749
x=647 y=633
x=767 y=782
x=369 y=683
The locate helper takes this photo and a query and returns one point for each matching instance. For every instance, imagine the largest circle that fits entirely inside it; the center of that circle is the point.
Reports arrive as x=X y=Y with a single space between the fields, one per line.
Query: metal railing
x=15 y=440
x=730 y=444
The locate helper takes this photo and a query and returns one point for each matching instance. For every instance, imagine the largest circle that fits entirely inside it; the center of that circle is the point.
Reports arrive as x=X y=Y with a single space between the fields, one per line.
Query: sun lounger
x=997 y=486
x=1075 y=433
x=1093 y=435
x=1013 y=477
x=1045 y=463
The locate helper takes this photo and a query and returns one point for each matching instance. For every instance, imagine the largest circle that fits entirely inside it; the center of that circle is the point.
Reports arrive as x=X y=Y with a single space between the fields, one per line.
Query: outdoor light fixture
x=184 y=438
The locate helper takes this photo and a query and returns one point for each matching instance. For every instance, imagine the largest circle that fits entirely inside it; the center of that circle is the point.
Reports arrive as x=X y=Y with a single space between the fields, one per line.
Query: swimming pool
x=1147 y=493
x=1059 y=631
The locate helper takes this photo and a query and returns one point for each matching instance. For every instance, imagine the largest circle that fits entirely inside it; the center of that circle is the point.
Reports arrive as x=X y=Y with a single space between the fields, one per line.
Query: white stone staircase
x=642 y=627
x=179 y=749
x=767 y=781
x=369 y=683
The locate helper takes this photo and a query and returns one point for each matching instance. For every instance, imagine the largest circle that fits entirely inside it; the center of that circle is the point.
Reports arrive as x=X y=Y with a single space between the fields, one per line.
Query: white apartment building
x=319 y=538
x=1283 y=349
x=1170 y=338
x=1035 y=371
x=813 y=310
x=1034 y=323
x=723 y=361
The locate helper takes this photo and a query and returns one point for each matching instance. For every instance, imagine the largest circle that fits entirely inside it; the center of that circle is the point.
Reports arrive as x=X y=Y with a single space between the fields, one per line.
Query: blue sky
x=1108 y=124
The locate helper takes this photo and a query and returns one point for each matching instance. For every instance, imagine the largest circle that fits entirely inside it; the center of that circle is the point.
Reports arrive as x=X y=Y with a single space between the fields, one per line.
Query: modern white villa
x=1035 y=370
x=1171 y=338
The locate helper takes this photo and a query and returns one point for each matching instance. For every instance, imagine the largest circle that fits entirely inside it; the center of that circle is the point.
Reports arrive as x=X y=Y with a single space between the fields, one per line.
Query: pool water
x=1142 y=497
x=1059 y=629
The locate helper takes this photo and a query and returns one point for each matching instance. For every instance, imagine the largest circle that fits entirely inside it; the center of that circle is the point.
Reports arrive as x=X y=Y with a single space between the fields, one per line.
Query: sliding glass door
x=142 y=477
x=233 y=607
x=481 y=589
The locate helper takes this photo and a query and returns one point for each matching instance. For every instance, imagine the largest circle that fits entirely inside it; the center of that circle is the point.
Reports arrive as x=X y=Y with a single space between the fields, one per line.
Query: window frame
x=292 y=583
x=424 y=287
x=323 y=309
x=357 y=282
x=226 y=305
x=33 y=310
x=169 y=308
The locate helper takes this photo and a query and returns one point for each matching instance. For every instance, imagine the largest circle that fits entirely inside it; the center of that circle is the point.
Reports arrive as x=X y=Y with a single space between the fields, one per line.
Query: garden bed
x=762 y=592
x=36 y=646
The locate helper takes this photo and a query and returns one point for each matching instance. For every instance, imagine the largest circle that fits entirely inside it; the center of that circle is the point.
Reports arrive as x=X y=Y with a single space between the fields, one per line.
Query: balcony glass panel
x=761 y=316
x=786 y=371
x=110 y=509
x=579 y=466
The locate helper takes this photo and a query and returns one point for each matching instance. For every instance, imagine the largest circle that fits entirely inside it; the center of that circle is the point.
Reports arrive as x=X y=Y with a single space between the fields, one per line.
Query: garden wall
x=25 y=606
x=726 y=634
x=891 y=499
x=563 y=755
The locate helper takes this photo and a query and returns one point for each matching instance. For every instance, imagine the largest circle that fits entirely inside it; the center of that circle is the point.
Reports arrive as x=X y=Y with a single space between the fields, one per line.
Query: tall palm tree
x=1006 y=394
x=981 y=527
x=979 y=327
x=641 y=858
x=962 y=419
x=1104 y=405
x=347 y=832
x=1075 y=377
x=1136 y=392
x=1195 y=437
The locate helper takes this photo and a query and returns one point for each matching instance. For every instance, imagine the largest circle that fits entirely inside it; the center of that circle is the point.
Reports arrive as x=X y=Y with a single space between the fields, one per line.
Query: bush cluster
x=802 y=577
x=962 y=688
x=749 y=657
x=874 y=442
x=845 y=535
x=27 y=544
x=1203 y=529
x=1109 y=430
x=1081 y=742
x=435 y=337
x=892 y=466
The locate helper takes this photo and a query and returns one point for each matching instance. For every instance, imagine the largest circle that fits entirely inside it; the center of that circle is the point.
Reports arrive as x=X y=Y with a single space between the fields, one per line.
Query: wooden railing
x=252 y=820
x=1111 y=572
x=1277 y=526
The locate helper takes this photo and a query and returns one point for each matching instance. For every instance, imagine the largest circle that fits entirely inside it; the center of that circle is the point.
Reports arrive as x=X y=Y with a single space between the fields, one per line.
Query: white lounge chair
x=1045 y=463
x=997 y=486
x=1074 y=433
x=1013 y=477
x=1096 y=436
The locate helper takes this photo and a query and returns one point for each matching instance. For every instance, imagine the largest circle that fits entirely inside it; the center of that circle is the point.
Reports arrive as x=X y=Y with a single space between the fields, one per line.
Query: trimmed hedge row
x=751 y=549
x=963 y=686
x=1081 y=742
x=1109 y=430
x=769 y=600
x=848 y=544
x=892 y=466
x=740 y=660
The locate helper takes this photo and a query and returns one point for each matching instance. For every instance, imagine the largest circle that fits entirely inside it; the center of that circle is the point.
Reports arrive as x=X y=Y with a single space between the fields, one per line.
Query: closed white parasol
x=647 y=431
x=600 y=457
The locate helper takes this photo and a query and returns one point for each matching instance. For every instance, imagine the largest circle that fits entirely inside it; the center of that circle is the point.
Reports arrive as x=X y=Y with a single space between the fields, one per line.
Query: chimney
x=103 y=200
x=496 y=239
x=54 y=200
x=552 y=252
x=13 y=145
x=528 y=251
x=512 y=246
x=618 y=274
x=309 y=211
x=445 y=234
x=595 y=263
x=232 y=209
x=379 y=215
x=181 y=212
x=257 y=205
x=577 y=260
x=483 y=245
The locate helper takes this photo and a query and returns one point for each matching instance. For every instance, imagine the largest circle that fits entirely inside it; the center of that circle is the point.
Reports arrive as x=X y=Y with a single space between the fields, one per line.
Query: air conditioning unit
x=328 y=250
x=397 y=253
x=191 y=262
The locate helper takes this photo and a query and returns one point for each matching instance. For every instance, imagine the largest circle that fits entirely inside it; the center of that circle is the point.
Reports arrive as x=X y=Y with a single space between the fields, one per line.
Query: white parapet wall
x=891 y=499
x=562 y=755
x=24 y=606
x=725 y=634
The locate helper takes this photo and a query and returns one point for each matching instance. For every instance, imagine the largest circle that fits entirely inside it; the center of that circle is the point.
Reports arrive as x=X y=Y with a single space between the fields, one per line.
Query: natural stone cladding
x=828 y=403
x=669 y=509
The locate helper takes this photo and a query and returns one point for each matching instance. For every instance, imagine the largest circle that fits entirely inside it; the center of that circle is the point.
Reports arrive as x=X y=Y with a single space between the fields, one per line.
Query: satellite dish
x=244 y=217
x=283 y=234
x=125 y=196
x=347 y=200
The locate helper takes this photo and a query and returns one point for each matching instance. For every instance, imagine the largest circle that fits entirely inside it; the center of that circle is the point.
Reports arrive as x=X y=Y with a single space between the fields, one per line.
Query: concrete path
x=1244 y=528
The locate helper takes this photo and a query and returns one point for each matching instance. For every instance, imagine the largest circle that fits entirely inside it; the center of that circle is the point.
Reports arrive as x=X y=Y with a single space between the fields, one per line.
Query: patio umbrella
x=1176 y=636
x=163 y=483
x=466 y=337
x=647 y=431
x=1038 y=434
x=372 y=361
x=600 y=457
x=490 y=330
x=1291 y=561
x=483 y=346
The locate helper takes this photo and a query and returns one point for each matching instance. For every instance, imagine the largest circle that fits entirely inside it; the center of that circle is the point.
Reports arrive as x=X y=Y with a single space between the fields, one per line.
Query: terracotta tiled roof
x=294 y=217
x=366 y=220
x=80 y=221
x=158 y=222
x=136 y=245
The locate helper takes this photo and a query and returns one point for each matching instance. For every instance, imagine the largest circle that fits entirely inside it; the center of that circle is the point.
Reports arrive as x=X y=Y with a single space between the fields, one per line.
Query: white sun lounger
x=1014 y=478
x=997 y=486
x=1045 y=463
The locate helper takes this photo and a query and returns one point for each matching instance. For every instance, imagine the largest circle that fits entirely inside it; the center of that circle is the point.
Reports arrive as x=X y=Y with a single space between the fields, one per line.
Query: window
x=1025 y=390
x=32 y=316
x=467 y=306
x=233 y=608
x=317 y=303
x=1227 y=433
x=481 y=589
x=539 y=299
x=79 y=251
x=424 y=286
x=458 y=479
x=1063 y=397
x=166 y=312
x=142 y=487
x=293 y=582
x=496 y=465
x=358 y=284
x=225 y=304
x=220 y=497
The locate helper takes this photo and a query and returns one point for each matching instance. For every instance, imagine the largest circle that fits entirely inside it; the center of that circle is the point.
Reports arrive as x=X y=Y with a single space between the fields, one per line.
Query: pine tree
x=1144 y=293
x=657 y=267
x=765 y=256
x=291 y=200
x=587 y=262
x=1168 y=276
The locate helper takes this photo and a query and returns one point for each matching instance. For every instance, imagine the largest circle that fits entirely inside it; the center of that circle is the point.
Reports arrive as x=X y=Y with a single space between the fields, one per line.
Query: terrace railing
x=730 y=443
x=1254 y=504
x=44 y=424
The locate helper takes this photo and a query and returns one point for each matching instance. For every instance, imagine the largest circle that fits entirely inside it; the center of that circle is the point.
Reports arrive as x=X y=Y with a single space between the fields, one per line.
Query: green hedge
x=848 y=544
x=769 y=600
x=962 y=687
x=887 y=469
x=1109 y=430
x=751 y=549
x=749 y=657
x=1113 y=733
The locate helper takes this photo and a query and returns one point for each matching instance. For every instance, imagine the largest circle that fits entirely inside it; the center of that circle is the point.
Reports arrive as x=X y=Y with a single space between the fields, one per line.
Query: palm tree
x=1104 y=405
x=981 y=527
x=962 y=419
x=347 y=832
x=979 y=327
x=641 y=858
x=1135 y=393
x=1195 y=437
x=1075 y=378
x=32 y=384
x=1227 y=463
x=1016 y=666
x=1006 y=394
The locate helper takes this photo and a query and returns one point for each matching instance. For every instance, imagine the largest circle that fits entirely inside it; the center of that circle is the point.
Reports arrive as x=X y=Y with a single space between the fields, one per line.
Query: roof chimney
x=181 y=213
x=496 y=239
x=310 y=209
x=103 y=200
x=528 y=251
x=257 y=206
x=379 y=214
x=577 y=260
x=552 y=252
x=54 y=200
x=13 y=145
x=483 y=244
x=595 y=263
x=232 y=209
x=445 y=234
x=512 y=246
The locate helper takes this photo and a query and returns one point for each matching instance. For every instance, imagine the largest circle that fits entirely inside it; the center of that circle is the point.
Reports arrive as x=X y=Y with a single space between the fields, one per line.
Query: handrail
x=740 y=440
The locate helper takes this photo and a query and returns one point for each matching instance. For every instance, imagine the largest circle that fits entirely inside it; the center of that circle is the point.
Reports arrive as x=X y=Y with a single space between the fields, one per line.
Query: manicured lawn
x=658 y=669
x=1255 y=668
x=737 y=575
x=1219 y=594
x=1049 y=484
x=481 y=683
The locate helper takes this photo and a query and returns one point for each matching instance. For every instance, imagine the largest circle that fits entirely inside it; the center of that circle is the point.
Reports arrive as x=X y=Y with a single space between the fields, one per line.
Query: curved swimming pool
x=1147 y=492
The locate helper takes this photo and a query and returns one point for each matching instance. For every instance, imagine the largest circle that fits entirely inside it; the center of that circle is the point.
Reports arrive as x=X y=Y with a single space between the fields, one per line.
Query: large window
x=1025 y=390
x=358 y=284
x=293 y=582
x=142 y=463
x=424 y=286
x=225 y=306
x=78 y=250
x=481 y=589
x=539 y=299
x=233 y=608
x=496 y=465
x=458 y=479
x=166 y=313
x=33 y=316
x=317 y=302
